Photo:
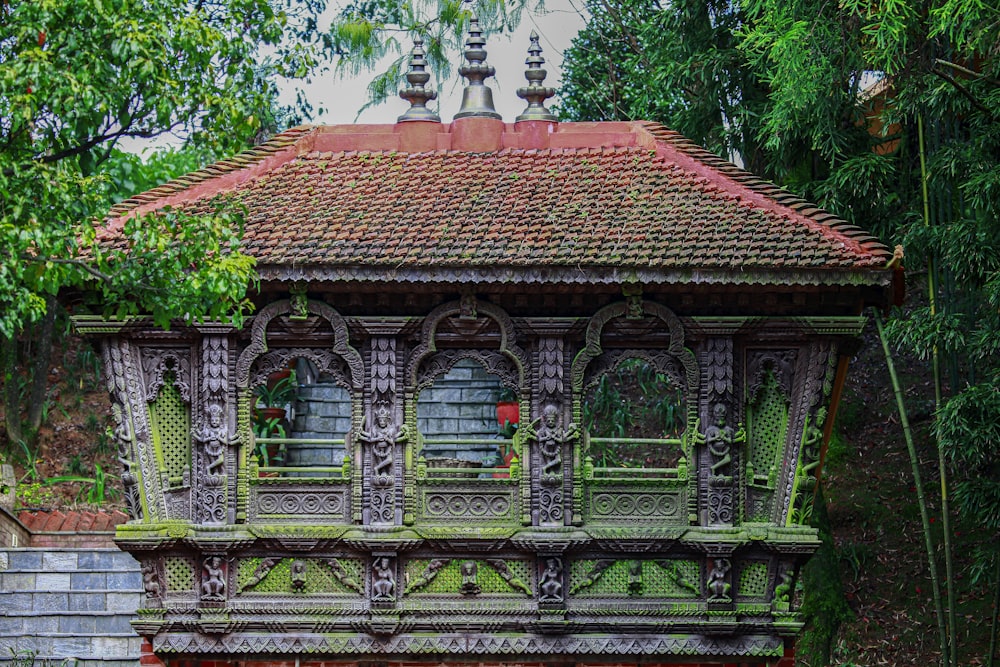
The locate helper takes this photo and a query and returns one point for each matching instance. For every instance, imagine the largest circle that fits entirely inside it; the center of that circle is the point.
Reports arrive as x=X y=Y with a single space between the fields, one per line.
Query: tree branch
x=966 y=71
x=962 y=89
x=79 y=263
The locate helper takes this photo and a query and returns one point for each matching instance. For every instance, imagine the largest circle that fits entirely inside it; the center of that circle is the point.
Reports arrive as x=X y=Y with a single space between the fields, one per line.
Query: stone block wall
x=323 y=411
x=69 y=604
x=461 y=403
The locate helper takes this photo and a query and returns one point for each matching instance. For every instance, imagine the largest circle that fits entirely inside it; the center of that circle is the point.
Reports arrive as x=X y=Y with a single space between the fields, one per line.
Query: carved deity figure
x=551 y=586
x=213 y=585
x=720 y=439
x=150 y=582
x=633 y=306
x=470 y=578
x=635 y=577
x=718 y=584
x=383 y=579
x=467 y=307
x=383 y=438
x=813 y=442
x=215 y=436
x=299 y=302
x=782 y=592
x=550 y=438
x=298 y=575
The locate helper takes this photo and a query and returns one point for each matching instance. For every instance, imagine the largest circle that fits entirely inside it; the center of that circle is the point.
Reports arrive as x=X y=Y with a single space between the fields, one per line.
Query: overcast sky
x=342 y=98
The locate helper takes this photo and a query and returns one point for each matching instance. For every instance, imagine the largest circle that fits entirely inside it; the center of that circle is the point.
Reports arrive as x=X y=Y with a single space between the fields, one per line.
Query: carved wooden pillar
x=213 y=431
x=140 y=474
x=814 y=382
x=385 y=437
x=722 y=436
x=554 y=439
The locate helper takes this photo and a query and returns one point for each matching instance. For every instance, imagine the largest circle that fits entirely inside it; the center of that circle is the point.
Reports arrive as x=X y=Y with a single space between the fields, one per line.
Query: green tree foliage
x=677 y=63
x=884 y=113
x=76 y=78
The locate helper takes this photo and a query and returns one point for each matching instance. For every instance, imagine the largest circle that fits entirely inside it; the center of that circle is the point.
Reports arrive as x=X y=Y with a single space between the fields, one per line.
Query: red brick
x=53 y=522
x=146 y=656
x=27 y=518
x=86 y=520
x=101 y=522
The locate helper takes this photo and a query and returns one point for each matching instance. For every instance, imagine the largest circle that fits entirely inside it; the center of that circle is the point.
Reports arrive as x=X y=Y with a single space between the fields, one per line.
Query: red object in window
x=508 y=412
x=506 y=464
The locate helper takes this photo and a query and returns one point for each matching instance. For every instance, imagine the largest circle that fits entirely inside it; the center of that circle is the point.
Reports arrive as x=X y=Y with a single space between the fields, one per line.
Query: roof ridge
x=241 y=160
x=767 y=188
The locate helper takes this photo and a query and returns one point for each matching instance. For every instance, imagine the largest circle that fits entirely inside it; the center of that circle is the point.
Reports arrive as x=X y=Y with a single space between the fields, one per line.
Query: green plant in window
x=279 y=393
x=269 y=453
x=633 y=402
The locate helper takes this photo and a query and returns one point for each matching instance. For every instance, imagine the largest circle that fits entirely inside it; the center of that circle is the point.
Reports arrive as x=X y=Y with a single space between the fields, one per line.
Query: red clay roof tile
x=626 y=195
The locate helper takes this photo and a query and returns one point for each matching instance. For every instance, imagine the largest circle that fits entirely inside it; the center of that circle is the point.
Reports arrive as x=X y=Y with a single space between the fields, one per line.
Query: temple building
x=513 y=392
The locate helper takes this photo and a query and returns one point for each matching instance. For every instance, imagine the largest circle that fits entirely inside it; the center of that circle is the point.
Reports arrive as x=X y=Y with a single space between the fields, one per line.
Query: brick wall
x=12 y=532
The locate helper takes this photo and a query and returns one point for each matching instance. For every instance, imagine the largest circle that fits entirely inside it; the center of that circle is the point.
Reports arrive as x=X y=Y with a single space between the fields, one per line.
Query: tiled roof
x=558 y=196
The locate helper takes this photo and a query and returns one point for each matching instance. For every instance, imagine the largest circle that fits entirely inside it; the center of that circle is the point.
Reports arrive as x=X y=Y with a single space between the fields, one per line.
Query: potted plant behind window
x=273 y=399
x=269 y=453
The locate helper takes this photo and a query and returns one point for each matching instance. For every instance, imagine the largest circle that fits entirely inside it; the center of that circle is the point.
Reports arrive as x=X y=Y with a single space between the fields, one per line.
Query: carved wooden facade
x=553 y=552
x=564 y=559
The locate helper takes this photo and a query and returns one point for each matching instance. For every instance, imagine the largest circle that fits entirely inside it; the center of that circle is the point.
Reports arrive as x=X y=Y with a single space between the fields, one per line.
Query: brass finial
x=417 y=95
x=535 y=93
x=477 y=98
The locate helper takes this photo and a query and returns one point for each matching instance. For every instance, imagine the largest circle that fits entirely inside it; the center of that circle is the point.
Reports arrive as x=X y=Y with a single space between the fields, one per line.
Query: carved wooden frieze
x=303 y=577
x=471 y=504
x=141 y=475
x=297 y=503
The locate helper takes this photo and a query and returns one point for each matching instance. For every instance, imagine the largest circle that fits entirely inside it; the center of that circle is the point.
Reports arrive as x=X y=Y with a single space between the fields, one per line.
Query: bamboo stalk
x=996 y=617
x=918 y=483
x=936 y=369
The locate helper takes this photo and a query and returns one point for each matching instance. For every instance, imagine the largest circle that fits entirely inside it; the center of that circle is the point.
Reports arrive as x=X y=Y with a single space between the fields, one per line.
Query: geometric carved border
x=621 y=504
x=467 y=505
x=471 y=643
x=298 y=505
